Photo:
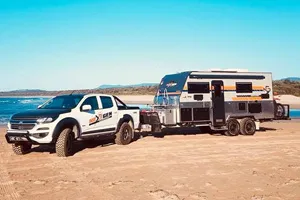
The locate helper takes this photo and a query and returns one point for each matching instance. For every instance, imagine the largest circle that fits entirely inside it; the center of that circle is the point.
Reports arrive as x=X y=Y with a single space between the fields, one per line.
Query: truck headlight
x=44 y=120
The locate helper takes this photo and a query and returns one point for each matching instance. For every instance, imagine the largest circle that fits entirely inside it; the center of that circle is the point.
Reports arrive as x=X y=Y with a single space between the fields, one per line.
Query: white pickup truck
x=66 y=118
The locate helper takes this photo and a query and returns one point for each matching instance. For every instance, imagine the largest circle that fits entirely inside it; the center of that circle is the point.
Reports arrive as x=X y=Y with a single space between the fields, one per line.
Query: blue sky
x=64 y=44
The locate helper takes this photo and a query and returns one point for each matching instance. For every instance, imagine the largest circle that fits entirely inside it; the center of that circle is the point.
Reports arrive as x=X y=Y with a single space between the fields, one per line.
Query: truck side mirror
x=86 y=108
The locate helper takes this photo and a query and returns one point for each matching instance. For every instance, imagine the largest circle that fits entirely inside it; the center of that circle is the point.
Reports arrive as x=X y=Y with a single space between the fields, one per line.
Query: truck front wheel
x=64 y=143
x=124 y=135
x=21 y=148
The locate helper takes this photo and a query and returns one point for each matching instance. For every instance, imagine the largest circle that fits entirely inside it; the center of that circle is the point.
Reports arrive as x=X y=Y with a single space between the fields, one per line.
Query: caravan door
x=218 y=103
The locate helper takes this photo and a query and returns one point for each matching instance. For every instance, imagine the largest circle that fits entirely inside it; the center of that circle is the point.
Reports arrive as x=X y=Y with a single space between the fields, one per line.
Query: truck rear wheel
x=64 y=143
x=124 y=135
x=21 y=148
x=233 y=127
x=248 y=126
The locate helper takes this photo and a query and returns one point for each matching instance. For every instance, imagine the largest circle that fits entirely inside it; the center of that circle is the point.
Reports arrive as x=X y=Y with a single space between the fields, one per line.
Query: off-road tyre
x=125 y=134
x=248 y=126
x=21 y=148
x=64 y=143
x=233 y=127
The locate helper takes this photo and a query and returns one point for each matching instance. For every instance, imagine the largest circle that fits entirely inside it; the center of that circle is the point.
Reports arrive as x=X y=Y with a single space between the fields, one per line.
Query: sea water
x=12 y=105
x=295 y=113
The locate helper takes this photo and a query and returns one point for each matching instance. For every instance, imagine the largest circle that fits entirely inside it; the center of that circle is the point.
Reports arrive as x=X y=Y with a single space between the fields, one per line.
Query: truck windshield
x=62 y=102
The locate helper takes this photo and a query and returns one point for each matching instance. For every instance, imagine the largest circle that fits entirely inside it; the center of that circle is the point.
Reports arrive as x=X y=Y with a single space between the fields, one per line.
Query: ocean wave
x=4 y=120
x=25 y=101
x=31 y=101
x=4 y=101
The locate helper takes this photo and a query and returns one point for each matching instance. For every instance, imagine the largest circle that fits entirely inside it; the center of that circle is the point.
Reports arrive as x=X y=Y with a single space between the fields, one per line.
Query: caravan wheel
x=248 y=126
x=233 y=127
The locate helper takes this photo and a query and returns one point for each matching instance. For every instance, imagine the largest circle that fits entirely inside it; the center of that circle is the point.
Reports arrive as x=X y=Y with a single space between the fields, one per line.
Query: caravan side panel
x=246 y=94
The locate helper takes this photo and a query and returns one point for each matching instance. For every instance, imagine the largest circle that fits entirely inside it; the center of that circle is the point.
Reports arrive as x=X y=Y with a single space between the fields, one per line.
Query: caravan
x=231 y=101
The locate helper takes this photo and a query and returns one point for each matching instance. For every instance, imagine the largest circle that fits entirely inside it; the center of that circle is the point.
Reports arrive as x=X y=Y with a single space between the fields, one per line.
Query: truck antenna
x=72 y=92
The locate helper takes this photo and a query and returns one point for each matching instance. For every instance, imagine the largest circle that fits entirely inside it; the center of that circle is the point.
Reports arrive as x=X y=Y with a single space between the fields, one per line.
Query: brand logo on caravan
x=267 y=89
x=171 y=84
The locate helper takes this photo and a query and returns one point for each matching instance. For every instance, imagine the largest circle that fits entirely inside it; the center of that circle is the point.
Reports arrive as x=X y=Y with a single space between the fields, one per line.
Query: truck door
x=89 y=119
x=218 y=103
x=109 y=111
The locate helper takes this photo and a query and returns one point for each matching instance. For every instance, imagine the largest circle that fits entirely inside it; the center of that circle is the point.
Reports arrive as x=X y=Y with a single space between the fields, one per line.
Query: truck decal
x=100 y=117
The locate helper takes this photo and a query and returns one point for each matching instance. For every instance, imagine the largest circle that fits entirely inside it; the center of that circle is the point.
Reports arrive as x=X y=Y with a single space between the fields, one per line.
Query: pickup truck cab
x=66 y=118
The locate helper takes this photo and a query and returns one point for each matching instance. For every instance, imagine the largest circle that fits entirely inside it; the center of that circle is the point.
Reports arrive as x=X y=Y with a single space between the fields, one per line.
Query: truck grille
x=22 y=126
x=25 y=118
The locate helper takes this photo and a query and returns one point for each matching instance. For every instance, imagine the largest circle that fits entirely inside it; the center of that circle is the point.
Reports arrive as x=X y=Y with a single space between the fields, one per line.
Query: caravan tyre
x=248 y=126
x=233 y=127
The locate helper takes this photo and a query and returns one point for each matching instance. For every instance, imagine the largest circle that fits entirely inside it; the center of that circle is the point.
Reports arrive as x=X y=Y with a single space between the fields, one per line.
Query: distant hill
x=291 y=79
x=28 y=90
x=126 y=86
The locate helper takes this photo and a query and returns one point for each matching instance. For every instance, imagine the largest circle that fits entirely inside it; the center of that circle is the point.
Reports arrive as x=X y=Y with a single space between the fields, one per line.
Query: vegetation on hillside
x=287 y=87
x=281 y=87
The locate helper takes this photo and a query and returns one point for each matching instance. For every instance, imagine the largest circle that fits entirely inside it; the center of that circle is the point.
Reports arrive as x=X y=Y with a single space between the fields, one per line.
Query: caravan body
x=213 y=97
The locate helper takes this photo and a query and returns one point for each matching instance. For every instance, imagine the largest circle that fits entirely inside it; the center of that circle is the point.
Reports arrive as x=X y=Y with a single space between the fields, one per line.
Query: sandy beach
x=291 y=100
x=265 y=166
x=137 y=99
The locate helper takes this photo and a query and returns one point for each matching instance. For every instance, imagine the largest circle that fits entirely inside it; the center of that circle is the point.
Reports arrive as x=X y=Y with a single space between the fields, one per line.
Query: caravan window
x=166 y=100
x=198 y=88
x=244 y=88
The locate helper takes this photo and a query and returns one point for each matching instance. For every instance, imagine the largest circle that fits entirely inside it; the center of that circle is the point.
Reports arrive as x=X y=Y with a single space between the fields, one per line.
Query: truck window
x=244 y=88
x=106 y=102
x=198 y=87
x=91 y=101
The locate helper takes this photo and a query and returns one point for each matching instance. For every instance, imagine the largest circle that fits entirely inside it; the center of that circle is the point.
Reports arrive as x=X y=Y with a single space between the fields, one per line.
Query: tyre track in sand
x=7 y=189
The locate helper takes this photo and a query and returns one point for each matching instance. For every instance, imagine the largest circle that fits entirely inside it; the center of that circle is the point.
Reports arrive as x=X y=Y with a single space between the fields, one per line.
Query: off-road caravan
x=232 y=101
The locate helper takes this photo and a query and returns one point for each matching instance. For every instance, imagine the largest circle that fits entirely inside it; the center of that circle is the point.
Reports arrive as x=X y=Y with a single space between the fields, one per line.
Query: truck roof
x=83 y=95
